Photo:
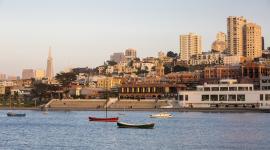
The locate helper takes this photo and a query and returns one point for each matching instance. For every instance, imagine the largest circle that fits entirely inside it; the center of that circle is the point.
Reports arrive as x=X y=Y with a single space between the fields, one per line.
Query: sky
x=84 y=33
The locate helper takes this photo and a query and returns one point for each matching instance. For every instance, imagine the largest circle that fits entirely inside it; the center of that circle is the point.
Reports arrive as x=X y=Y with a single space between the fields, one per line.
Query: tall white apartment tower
x=190 y=44
x=235 y=35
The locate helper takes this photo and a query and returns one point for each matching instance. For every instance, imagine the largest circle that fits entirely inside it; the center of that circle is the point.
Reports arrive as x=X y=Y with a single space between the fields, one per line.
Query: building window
x=205 y=97
x=215 y=89
x=242 y=88
x=214 y=97
x=261 y=97
x=181 y=97
x=223 y=88
x=207 y=89
x=232 y=98
x=222 y=97
x=267 y=97
x=240 y=97
x=232 y=88
x=186 y=97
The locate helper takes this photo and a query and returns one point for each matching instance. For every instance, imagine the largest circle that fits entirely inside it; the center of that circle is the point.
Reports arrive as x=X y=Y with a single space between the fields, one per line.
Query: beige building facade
x=235 y=35
x=39 y=74
x=252 y=41
x=108 y=82
x=190 y=44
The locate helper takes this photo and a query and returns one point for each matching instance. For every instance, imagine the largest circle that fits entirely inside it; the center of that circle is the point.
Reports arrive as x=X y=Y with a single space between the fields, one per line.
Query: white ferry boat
x=227 y=94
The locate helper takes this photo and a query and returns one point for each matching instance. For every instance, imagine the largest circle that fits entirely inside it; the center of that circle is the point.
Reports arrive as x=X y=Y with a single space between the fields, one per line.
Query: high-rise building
x=235 y=35
x=3 y=76
x=252 y=41
x=262 y=43
x=117 y=57
x=161 y=55
x=221 y=36
x=39 y=74
x=49 y=71
x=219 y=45
x=130 y=54
x=28 y=74
x=11 y=78
x=190 y=44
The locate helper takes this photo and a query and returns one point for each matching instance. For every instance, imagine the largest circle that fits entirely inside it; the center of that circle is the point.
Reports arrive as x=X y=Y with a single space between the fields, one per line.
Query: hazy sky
x=85 y=32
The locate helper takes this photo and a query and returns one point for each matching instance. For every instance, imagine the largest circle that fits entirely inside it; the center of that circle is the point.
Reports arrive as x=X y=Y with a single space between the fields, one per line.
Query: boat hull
x=139 y=126
x=152 y=116
x=15 y=115
x=161 y=115
x=115 y=119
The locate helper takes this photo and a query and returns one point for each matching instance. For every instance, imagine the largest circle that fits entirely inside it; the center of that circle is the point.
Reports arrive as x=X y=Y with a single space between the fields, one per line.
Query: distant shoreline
x=206 y=110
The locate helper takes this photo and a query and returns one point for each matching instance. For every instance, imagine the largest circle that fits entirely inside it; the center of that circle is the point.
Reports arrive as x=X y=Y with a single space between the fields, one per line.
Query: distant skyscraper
x=130 y=54
x=235 y=35
x=10 y=78
x=28 y=74
x=252 y=41
x=190 y=45
x=262 y=43
x=3 y=77
x=219 y=45
x=39 y=74
x=221 y=36
x=117 y=57
x=49 y=71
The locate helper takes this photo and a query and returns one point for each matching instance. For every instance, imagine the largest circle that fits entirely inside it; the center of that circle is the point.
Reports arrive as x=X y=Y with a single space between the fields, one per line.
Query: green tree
x=40 y=91
x=111 y=63
x=167 y=69
x=179 y=68
x=172 y=54
x=7 y=96
x=66 y=78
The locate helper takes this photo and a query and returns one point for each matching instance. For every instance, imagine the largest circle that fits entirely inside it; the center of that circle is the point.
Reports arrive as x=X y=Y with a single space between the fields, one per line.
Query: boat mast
x=106 y=101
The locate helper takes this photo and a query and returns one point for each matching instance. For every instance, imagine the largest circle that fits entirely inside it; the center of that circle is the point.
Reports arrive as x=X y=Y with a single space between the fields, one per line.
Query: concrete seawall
x=135 y=105
x=99 y=104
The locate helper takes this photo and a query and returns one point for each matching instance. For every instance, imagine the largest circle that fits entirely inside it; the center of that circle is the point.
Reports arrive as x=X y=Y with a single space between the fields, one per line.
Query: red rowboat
x=103 y=119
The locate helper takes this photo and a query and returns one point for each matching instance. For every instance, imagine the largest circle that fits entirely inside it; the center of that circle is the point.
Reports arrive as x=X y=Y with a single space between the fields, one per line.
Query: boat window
x=250 y=88
x=181 y=97
x=232 y=98
x=240 y=97
x=222 y=97
x=207 y=89
x=242 y=88
x=214 y=97
x=232 y=88
x=215 y=89
x=267 y=97
x=223 y=88
x=261 y=97
x=186 y=97
x=205 y=97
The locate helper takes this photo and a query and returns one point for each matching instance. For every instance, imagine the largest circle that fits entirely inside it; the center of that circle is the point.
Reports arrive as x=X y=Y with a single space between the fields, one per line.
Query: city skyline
x=87 y=33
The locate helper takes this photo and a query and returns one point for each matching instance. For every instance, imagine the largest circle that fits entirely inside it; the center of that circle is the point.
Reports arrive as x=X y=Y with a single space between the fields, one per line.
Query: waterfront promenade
x=128 y=105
